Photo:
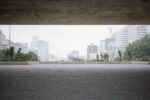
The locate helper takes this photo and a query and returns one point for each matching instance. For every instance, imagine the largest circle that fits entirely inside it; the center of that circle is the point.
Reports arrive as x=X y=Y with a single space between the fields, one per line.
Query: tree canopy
x=138 y=50
x=10 y=55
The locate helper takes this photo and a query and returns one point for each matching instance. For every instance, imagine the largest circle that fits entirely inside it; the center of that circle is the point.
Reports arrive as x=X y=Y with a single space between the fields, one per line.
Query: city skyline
x=62 y=38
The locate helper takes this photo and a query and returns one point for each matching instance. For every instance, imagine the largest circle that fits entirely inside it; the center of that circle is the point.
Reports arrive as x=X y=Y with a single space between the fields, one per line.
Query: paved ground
x=75 y=82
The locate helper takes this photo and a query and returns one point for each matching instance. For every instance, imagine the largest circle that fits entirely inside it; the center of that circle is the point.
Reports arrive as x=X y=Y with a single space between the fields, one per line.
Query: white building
x=148 y=29
x=34 y=44
x=121 y=39
x=107 y=46
x=136 y=32
x=17 y=46
x=3 y=42
x=24 y=47
x=127 y=35
x=92 y=51
x=102 y=46
x=41 y=48
x=2 y=37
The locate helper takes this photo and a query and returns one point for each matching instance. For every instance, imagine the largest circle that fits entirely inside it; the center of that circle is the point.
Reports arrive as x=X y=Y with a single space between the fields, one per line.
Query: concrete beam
x=74 y=12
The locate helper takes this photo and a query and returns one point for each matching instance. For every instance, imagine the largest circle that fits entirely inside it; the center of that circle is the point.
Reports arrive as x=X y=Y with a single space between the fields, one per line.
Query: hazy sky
x=62 y=38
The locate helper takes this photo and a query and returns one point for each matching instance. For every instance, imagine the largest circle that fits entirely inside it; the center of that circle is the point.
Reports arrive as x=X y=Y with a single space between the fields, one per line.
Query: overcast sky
x=62 y=38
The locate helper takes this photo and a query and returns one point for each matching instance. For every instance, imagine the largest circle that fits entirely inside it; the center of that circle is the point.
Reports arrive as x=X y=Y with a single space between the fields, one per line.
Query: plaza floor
x=75 y=82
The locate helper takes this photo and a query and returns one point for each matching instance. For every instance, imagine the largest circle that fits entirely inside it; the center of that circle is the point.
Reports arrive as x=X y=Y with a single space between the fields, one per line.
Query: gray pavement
x=75 y=82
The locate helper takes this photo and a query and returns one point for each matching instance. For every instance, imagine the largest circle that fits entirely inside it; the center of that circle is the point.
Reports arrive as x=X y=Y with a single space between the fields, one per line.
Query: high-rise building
x=4 y=44
x=41 y=48
x=34 y=44
x=102 y=46
x=148 y=29
x=108 y=43
x=121 y=39
x=107 y=47
x=136 y=32
x=92 y=51
x=127 y=35
x=2 y=37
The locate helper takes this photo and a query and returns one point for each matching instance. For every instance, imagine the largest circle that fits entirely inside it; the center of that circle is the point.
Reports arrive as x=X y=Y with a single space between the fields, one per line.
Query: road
x=75 y=82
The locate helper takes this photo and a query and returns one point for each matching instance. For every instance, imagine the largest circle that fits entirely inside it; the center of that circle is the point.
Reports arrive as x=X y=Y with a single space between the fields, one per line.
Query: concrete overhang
x=74 y=11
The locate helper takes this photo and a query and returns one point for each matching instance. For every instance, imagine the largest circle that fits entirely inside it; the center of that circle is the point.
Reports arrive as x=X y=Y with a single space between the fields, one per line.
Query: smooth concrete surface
x=75 y=82
x=74 y=12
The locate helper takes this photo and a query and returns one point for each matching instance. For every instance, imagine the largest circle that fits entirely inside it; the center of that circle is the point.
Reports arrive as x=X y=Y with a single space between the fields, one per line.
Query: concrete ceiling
x=74 y=11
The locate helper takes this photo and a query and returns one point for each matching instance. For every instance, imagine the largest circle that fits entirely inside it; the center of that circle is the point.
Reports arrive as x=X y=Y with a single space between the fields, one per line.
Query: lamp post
x=9 y=35
x=110 y=31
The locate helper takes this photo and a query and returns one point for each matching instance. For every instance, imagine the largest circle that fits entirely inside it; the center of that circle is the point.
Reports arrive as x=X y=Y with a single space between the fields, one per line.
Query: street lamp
x=9 y=35
x=110 y=31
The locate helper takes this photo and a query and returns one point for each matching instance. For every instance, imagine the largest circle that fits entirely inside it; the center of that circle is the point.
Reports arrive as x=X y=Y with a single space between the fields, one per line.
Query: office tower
x=43 y=50
x=92 y=51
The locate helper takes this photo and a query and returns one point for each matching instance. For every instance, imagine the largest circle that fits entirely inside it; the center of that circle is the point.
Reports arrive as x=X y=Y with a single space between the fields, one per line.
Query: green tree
x=97 y=57
x=11 y=53
x=19 y=50
x=120 y=55
x=138 y=50
x=106 y=57
x=19 y=56
x=2 y=55
x=102 y=57
x=32 y=56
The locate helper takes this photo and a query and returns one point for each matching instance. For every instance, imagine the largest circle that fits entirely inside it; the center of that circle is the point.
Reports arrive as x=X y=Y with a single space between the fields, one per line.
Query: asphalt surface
x=75 y=82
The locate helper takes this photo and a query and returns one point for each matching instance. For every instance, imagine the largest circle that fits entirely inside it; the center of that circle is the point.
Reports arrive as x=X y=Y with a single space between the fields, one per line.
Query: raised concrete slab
x=74 y=12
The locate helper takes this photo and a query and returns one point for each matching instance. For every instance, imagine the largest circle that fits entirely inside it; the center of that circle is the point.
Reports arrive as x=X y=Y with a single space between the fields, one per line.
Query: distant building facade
x=92 y=51
x=5 y=44
x=41 y=48
x=34 y=44
x=102 y=46
x=24 y=49
x=2 y=37
x=121 y=39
